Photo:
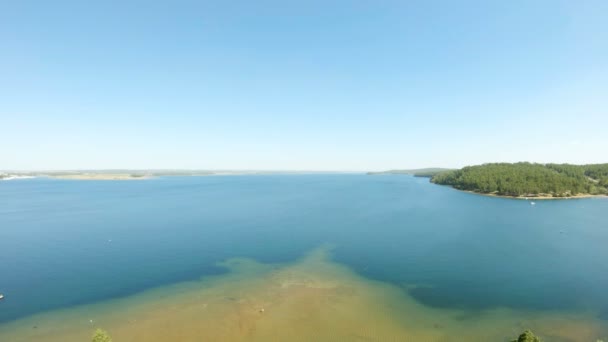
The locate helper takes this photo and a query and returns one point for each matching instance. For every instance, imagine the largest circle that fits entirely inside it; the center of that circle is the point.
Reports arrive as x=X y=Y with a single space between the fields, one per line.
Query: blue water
x=65 y=242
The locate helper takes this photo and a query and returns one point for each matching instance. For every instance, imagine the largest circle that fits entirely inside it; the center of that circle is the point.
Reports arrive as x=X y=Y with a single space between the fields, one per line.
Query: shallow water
x=408 y=259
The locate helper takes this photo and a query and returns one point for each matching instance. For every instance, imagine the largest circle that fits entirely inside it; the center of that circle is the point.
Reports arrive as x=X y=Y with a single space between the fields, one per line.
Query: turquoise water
x=65 y=242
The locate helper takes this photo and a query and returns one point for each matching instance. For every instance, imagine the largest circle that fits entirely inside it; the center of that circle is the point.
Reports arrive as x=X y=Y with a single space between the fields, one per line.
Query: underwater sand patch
x=313 y=299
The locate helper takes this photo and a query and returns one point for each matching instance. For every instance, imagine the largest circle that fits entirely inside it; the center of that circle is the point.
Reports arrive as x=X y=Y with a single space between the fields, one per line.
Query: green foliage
x=428 y=172
x=527 y=179
x=101 y=336
x=527 y=336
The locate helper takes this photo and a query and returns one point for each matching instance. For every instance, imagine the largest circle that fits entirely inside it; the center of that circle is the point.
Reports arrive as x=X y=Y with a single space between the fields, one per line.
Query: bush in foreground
x=527 y=336
x=101 y=336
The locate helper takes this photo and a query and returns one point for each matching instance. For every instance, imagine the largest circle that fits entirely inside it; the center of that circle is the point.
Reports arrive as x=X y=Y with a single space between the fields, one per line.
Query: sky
x=301 y=85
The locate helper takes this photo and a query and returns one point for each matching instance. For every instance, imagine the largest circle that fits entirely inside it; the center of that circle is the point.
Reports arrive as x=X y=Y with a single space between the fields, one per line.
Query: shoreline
x=142 y=174
x=529 y=198
x=8 y=178
x=101 y=177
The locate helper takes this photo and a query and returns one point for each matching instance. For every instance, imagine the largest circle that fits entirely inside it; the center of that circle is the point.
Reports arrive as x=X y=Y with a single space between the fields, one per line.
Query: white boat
x=1 y=296
x=532 y=203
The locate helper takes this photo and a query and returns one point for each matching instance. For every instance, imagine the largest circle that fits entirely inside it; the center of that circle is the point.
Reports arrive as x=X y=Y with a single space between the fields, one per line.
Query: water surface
x=66 y=243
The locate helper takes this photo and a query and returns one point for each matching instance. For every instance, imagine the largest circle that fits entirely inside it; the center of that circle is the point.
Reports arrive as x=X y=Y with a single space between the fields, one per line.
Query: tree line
x=528 y=179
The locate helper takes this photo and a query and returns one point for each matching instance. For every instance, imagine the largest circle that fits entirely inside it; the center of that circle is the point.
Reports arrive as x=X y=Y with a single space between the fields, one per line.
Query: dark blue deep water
x=65 y=242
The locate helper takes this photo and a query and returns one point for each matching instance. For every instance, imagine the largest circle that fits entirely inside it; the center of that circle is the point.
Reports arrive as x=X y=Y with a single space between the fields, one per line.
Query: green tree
x=528 y=179
x=527 y=336
x=101 y=336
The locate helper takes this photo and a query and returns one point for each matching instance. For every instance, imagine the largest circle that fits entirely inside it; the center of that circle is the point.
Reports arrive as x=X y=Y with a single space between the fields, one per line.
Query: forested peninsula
x=529 y=179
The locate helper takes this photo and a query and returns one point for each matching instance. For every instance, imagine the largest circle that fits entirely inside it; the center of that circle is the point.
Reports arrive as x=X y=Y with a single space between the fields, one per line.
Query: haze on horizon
x=316 y=85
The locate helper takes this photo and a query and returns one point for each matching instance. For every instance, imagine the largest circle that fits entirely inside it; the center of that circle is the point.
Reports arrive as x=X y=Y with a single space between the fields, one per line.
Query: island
x=529 y=180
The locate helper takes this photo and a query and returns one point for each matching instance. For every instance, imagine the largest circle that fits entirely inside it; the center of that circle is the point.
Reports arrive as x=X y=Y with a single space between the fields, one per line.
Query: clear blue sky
x=301 y=85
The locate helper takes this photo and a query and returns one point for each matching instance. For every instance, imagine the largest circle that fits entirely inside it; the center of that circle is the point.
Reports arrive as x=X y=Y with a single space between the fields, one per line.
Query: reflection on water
x=313 y=299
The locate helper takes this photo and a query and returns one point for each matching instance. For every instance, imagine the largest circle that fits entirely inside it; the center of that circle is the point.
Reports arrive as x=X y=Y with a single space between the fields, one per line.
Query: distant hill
x=426 y=172
x=529 y=179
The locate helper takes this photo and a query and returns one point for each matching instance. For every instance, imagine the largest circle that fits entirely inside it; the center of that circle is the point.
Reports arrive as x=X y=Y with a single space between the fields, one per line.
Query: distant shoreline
x=145 y=174
x=101 y=176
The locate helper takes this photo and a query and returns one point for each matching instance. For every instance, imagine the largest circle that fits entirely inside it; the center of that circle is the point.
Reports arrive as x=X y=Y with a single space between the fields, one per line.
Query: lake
x=310 y=256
